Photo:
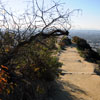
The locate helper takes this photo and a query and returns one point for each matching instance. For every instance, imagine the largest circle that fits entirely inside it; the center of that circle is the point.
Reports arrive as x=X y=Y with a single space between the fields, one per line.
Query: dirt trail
x=78 y=77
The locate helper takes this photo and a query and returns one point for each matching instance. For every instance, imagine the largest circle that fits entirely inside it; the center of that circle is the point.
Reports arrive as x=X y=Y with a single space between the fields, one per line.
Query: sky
x=88 y=18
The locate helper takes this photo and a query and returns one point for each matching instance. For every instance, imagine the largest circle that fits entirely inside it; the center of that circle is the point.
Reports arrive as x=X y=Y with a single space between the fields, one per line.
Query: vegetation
x=28 y=73
x=85 y=50
x=81 y=43
x=65 y=41
x=98 y=50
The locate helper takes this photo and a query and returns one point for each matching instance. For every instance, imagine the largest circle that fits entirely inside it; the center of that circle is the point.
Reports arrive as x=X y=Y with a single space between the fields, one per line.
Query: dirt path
x=78 y=77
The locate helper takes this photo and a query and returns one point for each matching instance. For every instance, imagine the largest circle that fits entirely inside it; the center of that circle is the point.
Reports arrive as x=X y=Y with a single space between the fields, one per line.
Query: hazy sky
x=89 y=18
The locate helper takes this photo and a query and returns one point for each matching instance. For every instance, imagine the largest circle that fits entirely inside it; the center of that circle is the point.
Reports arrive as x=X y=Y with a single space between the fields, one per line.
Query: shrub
x=31 y=68
x=85 y=50
x=98 y=50
x=81 y=43
x=97 y=70
x=65 y=41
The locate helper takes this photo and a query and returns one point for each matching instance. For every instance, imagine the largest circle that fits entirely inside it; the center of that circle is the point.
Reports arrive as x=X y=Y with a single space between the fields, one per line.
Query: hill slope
x=78 y=77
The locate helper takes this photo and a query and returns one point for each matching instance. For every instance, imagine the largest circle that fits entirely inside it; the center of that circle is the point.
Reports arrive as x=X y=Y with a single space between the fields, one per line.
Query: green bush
x=32 y=68
x=81 y=43
x=85 y=50
x=65 y=41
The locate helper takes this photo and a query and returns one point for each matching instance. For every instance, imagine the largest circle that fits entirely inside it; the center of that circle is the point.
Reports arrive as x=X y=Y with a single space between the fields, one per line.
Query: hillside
x=78 y=77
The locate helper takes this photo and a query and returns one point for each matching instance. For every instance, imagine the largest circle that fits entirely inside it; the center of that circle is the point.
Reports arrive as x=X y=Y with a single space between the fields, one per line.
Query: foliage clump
x=65 y=41
x=97 y=70
x=30 y=70
x=81 y=43
x=85 y=50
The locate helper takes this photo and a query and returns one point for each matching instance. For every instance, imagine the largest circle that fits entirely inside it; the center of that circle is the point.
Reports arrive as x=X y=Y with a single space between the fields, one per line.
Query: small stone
x=79 y=61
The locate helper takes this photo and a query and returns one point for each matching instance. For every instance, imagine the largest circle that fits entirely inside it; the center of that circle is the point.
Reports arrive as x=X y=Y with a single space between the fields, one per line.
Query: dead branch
x=43 y=22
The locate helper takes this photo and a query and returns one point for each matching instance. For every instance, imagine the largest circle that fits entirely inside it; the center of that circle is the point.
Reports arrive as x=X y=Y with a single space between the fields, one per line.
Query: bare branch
x=41 y=21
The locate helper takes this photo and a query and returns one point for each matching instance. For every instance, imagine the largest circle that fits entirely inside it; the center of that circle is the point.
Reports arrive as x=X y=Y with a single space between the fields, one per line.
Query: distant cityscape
x=91 y=36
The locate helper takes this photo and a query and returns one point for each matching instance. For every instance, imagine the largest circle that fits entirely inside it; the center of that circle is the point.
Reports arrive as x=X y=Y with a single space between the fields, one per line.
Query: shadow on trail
x=57 y=92
x=74 y=88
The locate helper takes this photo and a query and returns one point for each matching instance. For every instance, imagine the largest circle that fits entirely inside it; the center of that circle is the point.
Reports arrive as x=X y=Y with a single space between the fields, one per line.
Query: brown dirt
x=78 y=77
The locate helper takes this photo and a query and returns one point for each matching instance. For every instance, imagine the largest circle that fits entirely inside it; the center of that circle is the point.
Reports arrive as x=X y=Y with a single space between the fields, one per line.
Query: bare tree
x=41 y=22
